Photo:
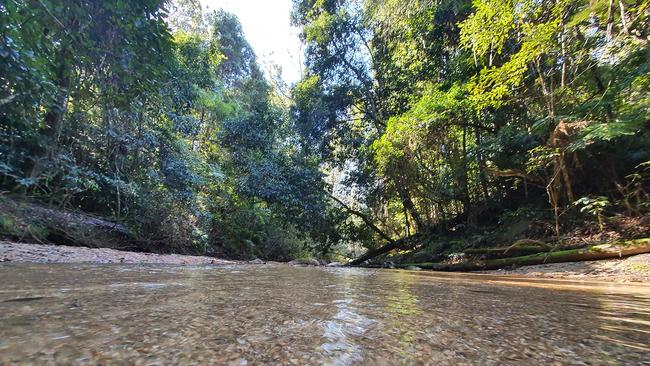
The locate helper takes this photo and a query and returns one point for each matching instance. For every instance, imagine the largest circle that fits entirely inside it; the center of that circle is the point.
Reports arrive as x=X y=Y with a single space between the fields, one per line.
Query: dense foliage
x=413 y=116
x=443 y=114
x=170 y=128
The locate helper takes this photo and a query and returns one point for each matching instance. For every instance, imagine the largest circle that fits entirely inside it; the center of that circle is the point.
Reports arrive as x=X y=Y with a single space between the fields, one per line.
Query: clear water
x=277 y=314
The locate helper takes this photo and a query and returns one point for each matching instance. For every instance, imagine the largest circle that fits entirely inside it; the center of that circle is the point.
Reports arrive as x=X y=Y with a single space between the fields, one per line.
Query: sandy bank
x=631 y=269
x=40 y=253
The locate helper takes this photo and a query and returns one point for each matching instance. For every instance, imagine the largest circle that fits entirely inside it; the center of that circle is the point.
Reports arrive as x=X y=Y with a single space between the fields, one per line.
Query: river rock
x=334 y=264
x=305 y=262
x=256 y=261
x=413 y=268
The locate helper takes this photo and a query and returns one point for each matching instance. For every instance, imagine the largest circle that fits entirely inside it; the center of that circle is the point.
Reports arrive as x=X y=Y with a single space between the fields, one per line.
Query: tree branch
x=363 y=217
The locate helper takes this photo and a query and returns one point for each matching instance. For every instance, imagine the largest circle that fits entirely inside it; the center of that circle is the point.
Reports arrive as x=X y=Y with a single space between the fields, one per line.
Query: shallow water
x=277 y=314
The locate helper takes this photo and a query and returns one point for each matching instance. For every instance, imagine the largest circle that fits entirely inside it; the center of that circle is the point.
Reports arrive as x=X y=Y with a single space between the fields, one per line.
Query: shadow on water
x=270 y=314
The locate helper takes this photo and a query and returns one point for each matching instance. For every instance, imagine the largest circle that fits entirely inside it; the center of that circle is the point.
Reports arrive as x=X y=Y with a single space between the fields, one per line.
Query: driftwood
x=612 y=250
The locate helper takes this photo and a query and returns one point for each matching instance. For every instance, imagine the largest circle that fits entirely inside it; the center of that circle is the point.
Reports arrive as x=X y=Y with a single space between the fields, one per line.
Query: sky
x=267 y=28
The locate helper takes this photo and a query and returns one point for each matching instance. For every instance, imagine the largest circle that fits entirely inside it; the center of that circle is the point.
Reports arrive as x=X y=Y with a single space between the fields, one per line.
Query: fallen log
x=397 y=244
x=32 y=221
x=612 y=250
x=505 y=252
x=371 y=253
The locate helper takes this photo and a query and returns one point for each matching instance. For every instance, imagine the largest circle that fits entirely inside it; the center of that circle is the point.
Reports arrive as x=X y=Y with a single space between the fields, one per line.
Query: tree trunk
x=564 y=58
x=371 y=253
x=481 y=164
x=610 y=20
x=405 y=197
x=492 y=253
x=464 y=179
x=621 y=4
x=605 y=251
x=54 y=115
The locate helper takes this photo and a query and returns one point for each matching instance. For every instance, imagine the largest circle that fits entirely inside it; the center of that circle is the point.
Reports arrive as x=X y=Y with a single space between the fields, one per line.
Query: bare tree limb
x=363 y=217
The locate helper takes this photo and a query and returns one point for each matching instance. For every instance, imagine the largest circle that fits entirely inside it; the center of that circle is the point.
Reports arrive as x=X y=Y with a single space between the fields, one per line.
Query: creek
x=279 y=314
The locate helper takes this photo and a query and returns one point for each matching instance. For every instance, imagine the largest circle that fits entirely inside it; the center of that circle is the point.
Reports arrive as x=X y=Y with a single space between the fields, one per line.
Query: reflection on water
x=401 y=303
x=243 y=315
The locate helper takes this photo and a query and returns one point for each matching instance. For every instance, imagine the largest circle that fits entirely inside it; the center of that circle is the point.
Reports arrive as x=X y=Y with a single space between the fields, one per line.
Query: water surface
x=277 y=314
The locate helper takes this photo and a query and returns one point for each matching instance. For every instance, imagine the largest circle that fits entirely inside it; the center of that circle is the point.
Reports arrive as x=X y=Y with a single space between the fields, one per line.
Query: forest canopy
x=414 y=121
